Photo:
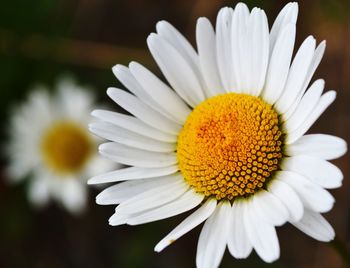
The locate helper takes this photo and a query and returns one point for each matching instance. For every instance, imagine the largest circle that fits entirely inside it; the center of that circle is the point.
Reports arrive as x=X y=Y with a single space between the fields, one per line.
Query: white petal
x=73 y=195
x=312 y=195
x=72 y=101
x=241 y=48
x=178 y=41
x=305 y=107
x=122 y=191
x=297 y=74
x=287 y=15
x=40 y=104
x=322 y=105
x=315 y=169
x=261 y=234
x=259 y=51
x=25 y=133
x=289 y=198
x=129 y=138
x=38 y=191
x=160 y=92
x=154 y=197
x=279 y=64
x=188 y=224
x=129 y=81
x=186 y=202
x=176 y=70
x=134 y=106
x=213 y=238
x=327 y=147
x=315 y=225
x=118 y=219
x=206 y=44
x=183 y=46
x=97 y=165
x=237 y=240
x=270 y=208
x=224 y=49
x=138 y=89
x=133 y=124
x=312 y=68
x=318 y=55
x=136 y=157
x=133 y=173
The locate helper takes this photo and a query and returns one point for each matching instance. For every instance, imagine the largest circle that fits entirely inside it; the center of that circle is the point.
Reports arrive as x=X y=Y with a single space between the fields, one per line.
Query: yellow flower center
x=230 y=145
x=66 y=147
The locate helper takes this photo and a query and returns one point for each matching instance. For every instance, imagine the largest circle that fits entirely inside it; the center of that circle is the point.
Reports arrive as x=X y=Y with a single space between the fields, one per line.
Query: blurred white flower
x=50 y=144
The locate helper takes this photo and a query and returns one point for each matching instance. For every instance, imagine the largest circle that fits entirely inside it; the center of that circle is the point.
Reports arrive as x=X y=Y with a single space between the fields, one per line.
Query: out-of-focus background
x=41 y=40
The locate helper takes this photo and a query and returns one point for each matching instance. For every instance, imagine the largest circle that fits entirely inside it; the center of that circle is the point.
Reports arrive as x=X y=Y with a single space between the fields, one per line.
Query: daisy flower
x=49 y=140
x=226 y=136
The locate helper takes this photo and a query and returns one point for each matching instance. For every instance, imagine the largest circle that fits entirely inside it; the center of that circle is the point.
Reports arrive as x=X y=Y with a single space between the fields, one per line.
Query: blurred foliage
x=19 y=19
x=337 y=10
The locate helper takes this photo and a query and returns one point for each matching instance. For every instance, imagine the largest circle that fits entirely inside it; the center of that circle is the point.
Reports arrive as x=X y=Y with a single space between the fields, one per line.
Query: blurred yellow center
x=230 y=145
x=66 y=147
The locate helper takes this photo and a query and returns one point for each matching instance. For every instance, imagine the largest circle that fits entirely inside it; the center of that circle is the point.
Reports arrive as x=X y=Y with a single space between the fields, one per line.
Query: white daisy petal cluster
x=50 y=143
x=226 y=136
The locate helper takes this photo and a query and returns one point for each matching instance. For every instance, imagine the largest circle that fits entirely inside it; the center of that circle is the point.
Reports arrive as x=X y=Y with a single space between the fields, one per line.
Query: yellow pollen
x=66 y=147
x=230 y=146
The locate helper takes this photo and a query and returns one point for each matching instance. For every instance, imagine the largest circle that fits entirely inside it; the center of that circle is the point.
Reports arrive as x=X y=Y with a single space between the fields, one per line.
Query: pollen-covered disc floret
x=230 y=145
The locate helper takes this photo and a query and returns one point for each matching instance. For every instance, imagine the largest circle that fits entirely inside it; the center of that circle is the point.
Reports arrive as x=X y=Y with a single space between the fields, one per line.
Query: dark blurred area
x=41 y=40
